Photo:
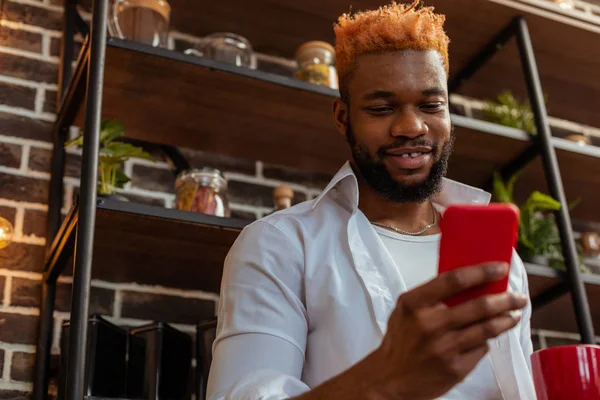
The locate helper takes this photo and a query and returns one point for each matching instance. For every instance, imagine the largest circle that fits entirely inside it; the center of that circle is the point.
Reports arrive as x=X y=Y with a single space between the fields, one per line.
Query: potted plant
x=113 y=153
x=539 y=240
x=508 y=111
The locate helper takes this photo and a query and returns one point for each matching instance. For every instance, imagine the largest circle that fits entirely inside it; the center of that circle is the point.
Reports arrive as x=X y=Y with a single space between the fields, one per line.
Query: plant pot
x=538 y=260
x=115 y=196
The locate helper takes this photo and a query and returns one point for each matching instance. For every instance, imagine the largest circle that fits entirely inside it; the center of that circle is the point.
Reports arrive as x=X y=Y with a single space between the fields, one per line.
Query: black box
x=167 y=363
x=105 y=362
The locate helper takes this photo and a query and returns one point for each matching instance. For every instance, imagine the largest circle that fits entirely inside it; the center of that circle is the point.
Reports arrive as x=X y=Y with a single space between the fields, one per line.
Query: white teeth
x=405 y=155
x=415 y=154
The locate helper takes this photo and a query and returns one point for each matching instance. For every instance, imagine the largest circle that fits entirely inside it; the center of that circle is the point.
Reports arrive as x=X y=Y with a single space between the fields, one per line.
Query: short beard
x=375 y=173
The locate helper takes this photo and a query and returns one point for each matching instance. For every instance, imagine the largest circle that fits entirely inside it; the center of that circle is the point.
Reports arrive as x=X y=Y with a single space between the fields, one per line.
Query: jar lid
x=315 y=44
x=283 y=191
x=581 y=139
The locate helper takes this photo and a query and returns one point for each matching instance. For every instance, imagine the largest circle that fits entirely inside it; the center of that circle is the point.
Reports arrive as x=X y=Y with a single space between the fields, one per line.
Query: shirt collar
x=452 y=192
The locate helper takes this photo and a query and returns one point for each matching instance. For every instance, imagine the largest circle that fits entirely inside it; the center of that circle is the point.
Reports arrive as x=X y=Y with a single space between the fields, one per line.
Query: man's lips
x=398 y=151
x=410 y=157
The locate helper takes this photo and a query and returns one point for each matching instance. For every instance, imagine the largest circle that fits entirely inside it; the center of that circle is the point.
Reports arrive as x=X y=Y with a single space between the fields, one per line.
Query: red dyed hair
x=394 y=27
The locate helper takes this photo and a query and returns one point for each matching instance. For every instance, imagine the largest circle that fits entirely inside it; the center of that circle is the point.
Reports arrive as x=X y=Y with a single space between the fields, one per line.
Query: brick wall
x=29 y=48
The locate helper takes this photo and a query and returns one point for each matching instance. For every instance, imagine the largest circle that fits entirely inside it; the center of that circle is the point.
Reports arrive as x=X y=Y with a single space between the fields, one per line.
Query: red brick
x=10 y=155
x=40 y=159
x=22 y=366
x=17 y=96
x=32 y=15
x=150 y=178
x=27 y=292
x=23 y=257
x=313 y=180
x=23 y=188
x=55 y=48
x=166 y=308
x=28 y=69
x=17 y=328
x=28 y=128
x=35 y=223
x=50 y=102
x=22 y=40
x=251 y=194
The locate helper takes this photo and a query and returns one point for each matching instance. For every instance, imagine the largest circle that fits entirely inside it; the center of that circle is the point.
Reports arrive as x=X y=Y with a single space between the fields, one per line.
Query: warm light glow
x=6 y=232
x=565 y=4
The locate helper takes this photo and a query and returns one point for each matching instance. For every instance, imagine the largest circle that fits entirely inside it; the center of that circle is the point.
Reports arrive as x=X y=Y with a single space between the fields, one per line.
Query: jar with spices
x=316 y=64
x=202 y=190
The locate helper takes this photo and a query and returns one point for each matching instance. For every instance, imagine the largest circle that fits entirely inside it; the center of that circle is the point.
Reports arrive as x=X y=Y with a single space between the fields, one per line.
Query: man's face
x=398 y=124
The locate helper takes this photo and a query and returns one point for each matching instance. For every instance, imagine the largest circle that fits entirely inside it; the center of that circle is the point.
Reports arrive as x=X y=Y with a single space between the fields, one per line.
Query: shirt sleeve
x=258 y=353
x=525 y=323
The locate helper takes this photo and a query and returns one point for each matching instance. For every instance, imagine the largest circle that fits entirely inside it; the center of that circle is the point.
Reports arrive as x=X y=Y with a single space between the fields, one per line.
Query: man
x=338 y=298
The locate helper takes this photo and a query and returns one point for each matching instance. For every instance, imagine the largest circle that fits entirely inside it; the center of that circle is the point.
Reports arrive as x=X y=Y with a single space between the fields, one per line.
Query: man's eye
x=380 y=110
x=432 y=107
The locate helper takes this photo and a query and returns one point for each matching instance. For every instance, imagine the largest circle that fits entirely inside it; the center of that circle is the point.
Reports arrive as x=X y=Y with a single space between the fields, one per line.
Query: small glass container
x=145 y=21
x=202 y=190
x=226 y=47
x=316 y=64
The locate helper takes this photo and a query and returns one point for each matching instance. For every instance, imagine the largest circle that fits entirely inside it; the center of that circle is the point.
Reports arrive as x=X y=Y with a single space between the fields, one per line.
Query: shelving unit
x=198 y=103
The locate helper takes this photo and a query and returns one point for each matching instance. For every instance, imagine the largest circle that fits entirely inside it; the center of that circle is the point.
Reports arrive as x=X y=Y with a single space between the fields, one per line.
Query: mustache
x=404 y=142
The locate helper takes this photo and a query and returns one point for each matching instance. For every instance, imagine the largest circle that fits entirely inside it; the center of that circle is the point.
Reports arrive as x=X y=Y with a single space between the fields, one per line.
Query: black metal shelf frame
x=77 y=230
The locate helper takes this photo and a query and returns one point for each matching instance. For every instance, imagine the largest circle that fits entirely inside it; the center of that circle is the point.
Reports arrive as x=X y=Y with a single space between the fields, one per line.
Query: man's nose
x=409 y=124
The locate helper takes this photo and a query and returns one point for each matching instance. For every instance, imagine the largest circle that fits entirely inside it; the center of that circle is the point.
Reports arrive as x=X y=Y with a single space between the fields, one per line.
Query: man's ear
x=340 y=115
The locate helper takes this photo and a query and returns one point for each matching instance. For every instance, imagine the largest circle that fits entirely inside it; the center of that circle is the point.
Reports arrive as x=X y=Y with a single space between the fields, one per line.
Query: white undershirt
x=416 y=258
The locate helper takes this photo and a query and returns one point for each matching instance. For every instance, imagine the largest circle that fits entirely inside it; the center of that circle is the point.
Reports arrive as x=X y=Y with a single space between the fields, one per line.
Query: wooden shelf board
x=157 y=246
x=567 y=53
x=153 y=245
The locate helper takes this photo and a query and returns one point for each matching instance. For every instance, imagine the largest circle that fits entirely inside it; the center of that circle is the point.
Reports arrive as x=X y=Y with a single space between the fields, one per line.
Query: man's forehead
x=404 y=69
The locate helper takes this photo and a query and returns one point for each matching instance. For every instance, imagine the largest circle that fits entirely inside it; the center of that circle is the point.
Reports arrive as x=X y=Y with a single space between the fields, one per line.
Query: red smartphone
x=473 y=235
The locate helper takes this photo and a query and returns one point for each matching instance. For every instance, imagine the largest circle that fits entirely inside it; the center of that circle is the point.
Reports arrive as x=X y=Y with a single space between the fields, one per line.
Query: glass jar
x=316 y=64
x=202 y=190
x=226 y=47
x=145 y=21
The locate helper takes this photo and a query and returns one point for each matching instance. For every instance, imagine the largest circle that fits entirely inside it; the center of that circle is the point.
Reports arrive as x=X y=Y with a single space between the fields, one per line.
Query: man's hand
x=428 y=347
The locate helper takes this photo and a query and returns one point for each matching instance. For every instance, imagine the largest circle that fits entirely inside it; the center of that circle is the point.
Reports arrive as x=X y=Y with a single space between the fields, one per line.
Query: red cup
x=567 y=373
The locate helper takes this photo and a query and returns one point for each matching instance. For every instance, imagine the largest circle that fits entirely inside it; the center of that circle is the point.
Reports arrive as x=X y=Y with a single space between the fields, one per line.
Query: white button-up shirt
x=307 y=293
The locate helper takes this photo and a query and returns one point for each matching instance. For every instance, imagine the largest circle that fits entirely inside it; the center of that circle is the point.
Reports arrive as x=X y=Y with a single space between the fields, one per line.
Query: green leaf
x=121 y=179
x=111 y=130
x=542 y=202
x=500 y=190
x=78 y=141
x=508 y=111
x=122 y=151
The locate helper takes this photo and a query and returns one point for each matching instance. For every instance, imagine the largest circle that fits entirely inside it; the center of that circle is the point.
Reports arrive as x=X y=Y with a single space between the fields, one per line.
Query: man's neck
x=409 y=216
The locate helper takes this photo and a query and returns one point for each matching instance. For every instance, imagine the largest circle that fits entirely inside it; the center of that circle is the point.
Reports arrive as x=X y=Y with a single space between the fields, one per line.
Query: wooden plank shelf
x=148 y=244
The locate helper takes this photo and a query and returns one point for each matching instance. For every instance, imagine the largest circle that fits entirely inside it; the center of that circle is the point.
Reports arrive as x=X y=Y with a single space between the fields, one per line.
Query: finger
x=466 y=362
x=478 y=334
x=453 y=282
x=483 y=308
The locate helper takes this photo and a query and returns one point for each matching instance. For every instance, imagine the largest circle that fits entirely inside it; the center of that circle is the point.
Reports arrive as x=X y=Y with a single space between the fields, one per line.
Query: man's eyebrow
x=378 y=94
x=434 y=91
